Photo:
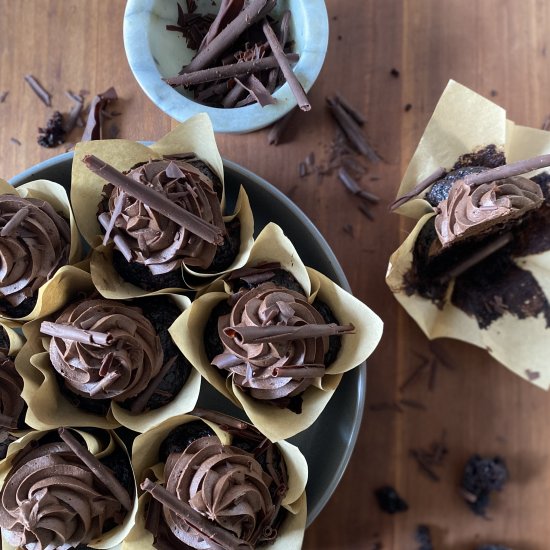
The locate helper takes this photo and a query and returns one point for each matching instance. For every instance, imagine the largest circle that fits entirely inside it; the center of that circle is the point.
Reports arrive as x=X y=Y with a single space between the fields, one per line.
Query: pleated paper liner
x=463 y=122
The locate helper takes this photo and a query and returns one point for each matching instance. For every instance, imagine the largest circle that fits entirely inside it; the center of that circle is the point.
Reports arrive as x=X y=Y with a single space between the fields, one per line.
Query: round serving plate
x=329 y=442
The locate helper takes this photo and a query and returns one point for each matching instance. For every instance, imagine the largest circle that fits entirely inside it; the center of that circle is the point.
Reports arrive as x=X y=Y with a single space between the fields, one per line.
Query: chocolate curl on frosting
x=282 y=333
x=210 y=530
x=104 y=474
x=155 y=200
x=67 y=332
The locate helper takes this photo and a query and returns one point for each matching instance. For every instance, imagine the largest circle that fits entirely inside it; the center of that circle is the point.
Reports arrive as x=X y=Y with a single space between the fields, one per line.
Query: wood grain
x=498 y=48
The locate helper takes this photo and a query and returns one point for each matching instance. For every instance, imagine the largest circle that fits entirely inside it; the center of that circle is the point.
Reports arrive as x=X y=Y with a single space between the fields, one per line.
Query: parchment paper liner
x=54 y=194
x=113 y=538
x=48 y=407
x=462 y=122
x=145 y=457
x=273 y=422
x=194 y=135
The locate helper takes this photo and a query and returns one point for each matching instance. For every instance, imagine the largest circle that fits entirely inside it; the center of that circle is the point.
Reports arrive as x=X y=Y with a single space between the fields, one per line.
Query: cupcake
x=66 y=489
x=275 y=337
x=474 y=265
x=158 y=223
x=38 y=241
x=212 y=481
x=103 y=363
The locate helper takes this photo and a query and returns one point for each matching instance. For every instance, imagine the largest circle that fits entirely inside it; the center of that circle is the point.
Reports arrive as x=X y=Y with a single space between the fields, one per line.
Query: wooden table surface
x=496 y=47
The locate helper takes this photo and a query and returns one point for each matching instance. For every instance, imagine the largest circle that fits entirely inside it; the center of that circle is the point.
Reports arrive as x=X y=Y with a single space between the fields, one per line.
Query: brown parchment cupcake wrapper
x=464 y=121
x=145 y=458
x=54 y=194
x=275 y=423
x=48 y=407
x=109 y=540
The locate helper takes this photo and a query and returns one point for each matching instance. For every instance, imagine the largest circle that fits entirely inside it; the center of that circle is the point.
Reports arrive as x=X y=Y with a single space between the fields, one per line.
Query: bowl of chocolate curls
x=246 y=63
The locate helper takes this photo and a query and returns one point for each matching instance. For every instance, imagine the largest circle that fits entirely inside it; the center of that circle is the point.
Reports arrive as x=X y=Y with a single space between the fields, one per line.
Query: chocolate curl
x=155 y=200
x=255 y=10
x=232 y=96
x=288 y=73
x=105 y=220
x=93 y=129
x=283 y=333
x=141 y=401
x=284 y=26
x=203 y=525
x=220 y=418
x=257 y=90
x=39 y=90
x=105 y=382
x=229 y=9
x=116 y=213
x=417 y=189
x=57 y=330
x=508 y=170
x=242 y=68
x=14 y=222
x=302 y=371
x=352 y=111
x=103 y=474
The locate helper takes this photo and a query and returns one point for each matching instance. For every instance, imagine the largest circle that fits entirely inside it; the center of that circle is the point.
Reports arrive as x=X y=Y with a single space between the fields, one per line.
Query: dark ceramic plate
x=329 y=442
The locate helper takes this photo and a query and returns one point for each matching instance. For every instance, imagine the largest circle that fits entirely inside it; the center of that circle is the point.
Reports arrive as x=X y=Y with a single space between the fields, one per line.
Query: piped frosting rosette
x=62 y=488
x=39 y=241
x=475 y=267
x=105 y=363
x=168 y=230
x=269 y=348
x=213 y=481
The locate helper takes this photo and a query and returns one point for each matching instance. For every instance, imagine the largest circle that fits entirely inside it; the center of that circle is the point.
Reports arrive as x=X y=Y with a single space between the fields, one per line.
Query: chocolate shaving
x=532 y=375
x=74 y=115
x=288 y=73
x=124 y=248
x=417 y=189
x=220 y=418
x=432 y=457
x=244 y=272
x=282 y=333
x=277 y=130
x=414 y=375
x=386 y=406
x=68 y=332
x=253 y=11
x=194 y=27
x=233 y=95
x=94 y=124
x=302 y=169
x=352 y=111
x=15 y=140
x=208 y=529
x=257 y=90
x=363 y=208
x=284 y=27
x=105 y=382
x=104 y=474
x=302 y=371
x=413 y=404
x=3 y=96
x=242 y=68
x=229 y=10
x=140 y=403
x=155 y=200
x=39 y=90
x=508 y=170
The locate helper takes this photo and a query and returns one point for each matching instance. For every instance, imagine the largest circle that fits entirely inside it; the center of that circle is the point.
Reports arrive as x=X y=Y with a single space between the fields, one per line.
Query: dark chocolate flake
x=54 y=132
x=532 y=375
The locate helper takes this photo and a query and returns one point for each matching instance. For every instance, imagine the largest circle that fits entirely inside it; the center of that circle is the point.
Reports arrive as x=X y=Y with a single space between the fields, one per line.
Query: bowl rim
x=240 y=120
x=360 y=395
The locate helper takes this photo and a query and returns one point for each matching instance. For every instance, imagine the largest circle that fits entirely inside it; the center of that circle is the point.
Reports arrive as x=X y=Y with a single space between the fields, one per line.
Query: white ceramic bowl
x=155 y=53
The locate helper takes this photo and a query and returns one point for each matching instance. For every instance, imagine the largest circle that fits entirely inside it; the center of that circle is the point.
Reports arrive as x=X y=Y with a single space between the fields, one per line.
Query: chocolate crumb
x=494 y=93
x=389 y=501
x=15 y=140
x=532 y=375
x=395 y=73
x=339 y=37
x=408 y=107
x=54 y=132
x=3 y=96
x=423 y=537
x=482 y=476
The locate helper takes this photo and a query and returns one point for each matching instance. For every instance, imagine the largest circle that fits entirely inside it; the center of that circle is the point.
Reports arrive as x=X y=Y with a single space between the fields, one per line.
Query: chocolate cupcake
x=184 y=466
x=65 y=489
x=160 y=215
x=475 y=265
x=107 y=363
x=38 y=238
x=276 y=337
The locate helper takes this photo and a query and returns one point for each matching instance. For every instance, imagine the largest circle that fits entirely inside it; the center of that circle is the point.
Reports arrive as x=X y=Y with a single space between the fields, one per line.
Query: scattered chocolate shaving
x=233 y=96
x=194 y=27
x=348 y=228
x=363 y=208
x=417 y=189
x=277 y=130
x=413 y=404
x=3 y=96
x=494 y=93
x=302 y=169
x=532 y=374
x=54 y=133
x=94 y=124
x=389 y=501
x=408 y=107
x=352 y=111
x=39 y=90
x=75 y=112
x=15 y=140
x=385 y=406
x=432 y=457
x=394 y=72
x=423 y=537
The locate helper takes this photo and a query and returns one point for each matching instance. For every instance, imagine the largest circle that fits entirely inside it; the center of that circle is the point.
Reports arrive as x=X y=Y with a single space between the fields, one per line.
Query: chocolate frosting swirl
x=281 y=367
x=51 y=499
x=117 y=367
x=472 y=210
x=229 y=487
x=11 y=402
x=153 y=239
x=34 y=243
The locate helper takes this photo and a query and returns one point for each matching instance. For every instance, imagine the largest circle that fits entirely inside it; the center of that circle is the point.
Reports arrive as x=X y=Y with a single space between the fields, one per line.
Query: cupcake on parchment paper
x=66 y=489
x=105 y=363
x=159 y=212
x=38 y=243
x=211 y=481
x=275 y=337
x=475 y=267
